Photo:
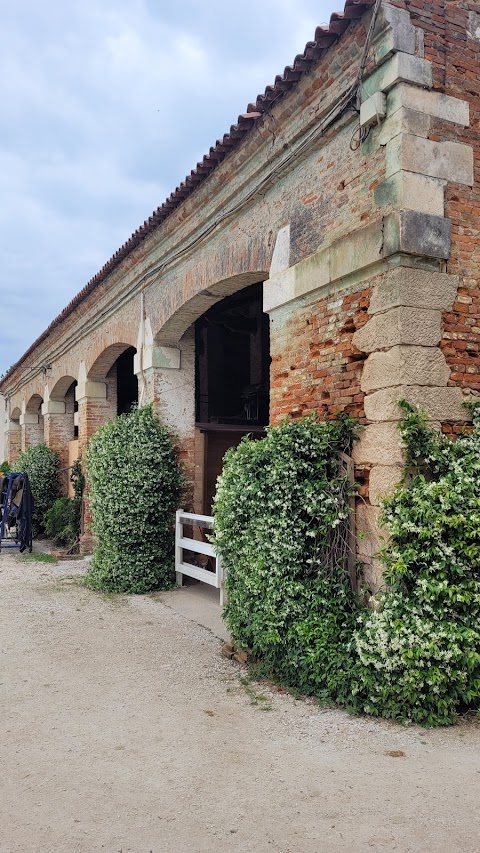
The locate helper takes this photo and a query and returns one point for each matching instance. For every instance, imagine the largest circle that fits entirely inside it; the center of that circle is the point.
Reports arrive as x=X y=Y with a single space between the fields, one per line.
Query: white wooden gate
x=196 y=546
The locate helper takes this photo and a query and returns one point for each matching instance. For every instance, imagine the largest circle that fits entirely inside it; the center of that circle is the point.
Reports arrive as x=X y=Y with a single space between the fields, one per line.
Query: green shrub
x=41 y=464
x=5 y=467
x=135 y=483
x=419 y=655
x=280 y=514
x=62 y=521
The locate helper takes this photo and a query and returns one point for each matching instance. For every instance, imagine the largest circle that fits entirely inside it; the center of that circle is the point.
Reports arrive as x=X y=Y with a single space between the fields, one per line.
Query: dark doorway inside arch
x=232 y=378
x=127 y=382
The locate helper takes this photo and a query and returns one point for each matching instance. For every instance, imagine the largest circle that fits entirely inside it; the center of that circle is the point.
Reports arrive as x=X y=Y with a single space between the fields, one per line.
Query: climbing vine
x=135 y=482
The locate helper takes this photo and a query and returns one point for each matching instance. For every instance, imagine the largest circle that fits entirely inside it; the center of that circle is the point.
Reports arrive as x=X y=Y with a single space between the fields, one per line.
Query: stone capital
x=157 y=357
x=28 y=419
x=53 y=407
x=88 y=390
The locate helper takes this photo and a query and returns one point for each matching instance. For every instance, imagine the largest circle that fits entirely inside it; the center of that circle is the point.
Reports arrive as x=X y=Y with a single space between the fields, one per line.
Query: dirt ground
x=123 y=729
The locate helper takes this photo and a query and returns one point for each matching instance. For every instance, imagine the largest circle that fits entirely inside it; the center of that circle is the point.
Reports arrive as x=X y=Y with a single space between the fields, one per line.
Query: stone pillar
x=167 y=377
x=31 y=429
x=94 y=408
x=13 y=441
x=58 y=431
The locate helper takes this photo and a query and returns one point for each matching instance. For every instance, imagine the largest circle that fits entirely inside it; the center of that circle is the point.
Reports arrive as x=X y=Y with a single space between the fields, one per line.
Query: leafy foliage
x=5 y=467
x=135 y=482
x=419 y=655
x=279 y=506
x=41 y=464
x=63 y=519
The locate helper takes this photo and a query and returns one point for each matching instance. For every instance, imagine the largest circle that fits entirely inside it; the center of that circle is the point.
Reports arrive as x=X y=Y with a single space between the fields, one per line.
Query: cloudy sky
x=105 y=107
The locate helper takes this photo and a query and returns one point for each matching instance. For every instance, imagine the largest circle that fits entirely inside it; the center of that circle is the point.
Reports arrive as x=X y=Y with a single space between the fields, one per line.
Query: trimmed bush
x=135 y=483
x=41 y=464
x=280 y=514
x=419 y=655
x=62 y=521
x=5 y=467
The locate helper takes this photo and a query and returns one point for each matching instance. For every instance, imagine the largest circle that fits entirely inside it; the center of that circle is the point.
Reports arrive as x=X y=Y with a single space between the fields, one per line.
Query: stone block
x=382 y=482
x=395 y=32
x=402 y=121
x=405 y=365
x=278 y=289
x=89 y=390
x=53 y=407
x=416 y=233
x=356 y=251
x=312 y=273
x=28 y=419
x=440 y=404
x=452 y=161
x=413 y=288
x=413 y=192
x=156 y=357
x=380 y=444
x=415 y=326
x=372 y=576
x=401 y=67
x=281 y=253
x=434 y=104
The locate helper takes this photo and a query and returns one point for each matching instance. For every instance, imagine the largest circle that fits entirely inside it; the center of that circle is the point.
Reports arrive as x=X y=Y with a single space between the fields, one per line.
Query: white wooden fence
x=196 y=546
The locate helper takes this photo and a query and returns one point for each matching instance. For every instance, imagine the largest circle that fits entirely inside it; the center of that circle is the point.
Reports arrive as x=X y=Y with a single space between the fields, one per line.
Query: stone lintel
x=400 y=325
x=452 y=161
x=415 y=288
x=405 y=365
x=416 y=234
x=434 y=104
x=89 y=390
x=440 y=404
x=12 y=426
x=53 y=407
x=401 y=67
x=412 y=191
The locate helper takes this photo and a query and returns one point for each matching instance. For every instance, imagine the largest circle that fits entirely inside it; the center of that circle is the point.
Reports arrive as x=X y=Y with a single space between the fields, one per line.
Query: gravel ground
x=123 y=729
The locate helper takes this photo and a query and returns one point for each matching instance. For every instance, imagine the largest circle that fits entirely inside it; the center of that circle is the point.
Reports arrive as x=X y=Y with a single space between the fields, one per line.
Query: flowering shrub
x=135 y=482
x=280 y=506
x=41 y=464
x=419 y=655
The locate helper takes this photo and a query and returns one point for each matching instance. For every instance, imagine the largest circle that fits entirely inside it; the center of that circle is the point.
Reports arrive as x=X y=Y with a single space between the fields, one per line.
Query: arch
x=34 y=404
x=105 y=361
x=184 y=314
x=61 y=388
x=15 y=414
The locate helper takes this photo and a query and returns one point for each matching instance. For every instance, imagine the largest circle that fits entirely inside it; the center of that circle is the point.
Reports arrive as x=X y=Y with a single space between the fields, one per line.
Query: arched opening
x=115 y=367
x=127 y=382
x=232 y=388
x=33 y=422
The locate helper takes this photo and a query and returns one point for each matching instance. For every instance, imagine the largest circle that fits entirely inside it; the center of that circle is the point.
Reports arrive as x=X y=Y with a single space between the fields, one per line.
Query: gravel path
x=123 y=729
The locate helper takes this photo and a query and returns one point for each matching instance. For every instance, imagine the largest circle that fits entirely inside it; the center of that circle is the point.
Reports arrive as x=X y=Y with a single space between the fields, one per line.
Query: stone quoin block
x=401 y=67
x=413 y=192
x=405 y=365
x=377 y=443
x=440 y=404
x=452 y=161
x=435 y=104
x=416 y=234
x=415 y=288
x=382 y=482
x=394 y=32
x=399 y=326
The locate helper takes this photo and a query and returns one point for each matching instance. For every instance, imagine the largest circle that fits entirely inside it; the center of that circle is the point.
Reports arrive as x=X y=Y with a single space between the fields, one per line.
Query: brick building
x=322 y=256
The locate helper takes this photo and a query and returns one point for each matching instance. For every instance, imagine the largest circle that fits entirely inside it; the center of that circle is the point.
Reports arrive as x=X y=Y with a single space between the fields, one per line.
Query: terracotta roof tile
x=325 y=36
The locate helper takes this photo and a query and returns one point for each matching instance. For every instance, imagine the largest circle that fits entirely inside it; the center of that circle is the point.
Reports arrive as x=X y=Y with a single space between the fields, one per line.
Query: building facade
x=324 y=256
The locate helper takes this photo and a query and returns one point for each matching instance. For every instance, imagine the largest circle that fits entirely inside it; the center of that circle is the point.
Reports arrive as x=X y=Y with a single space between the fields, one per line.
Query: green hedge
x=135 y=482
x=42 y=465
